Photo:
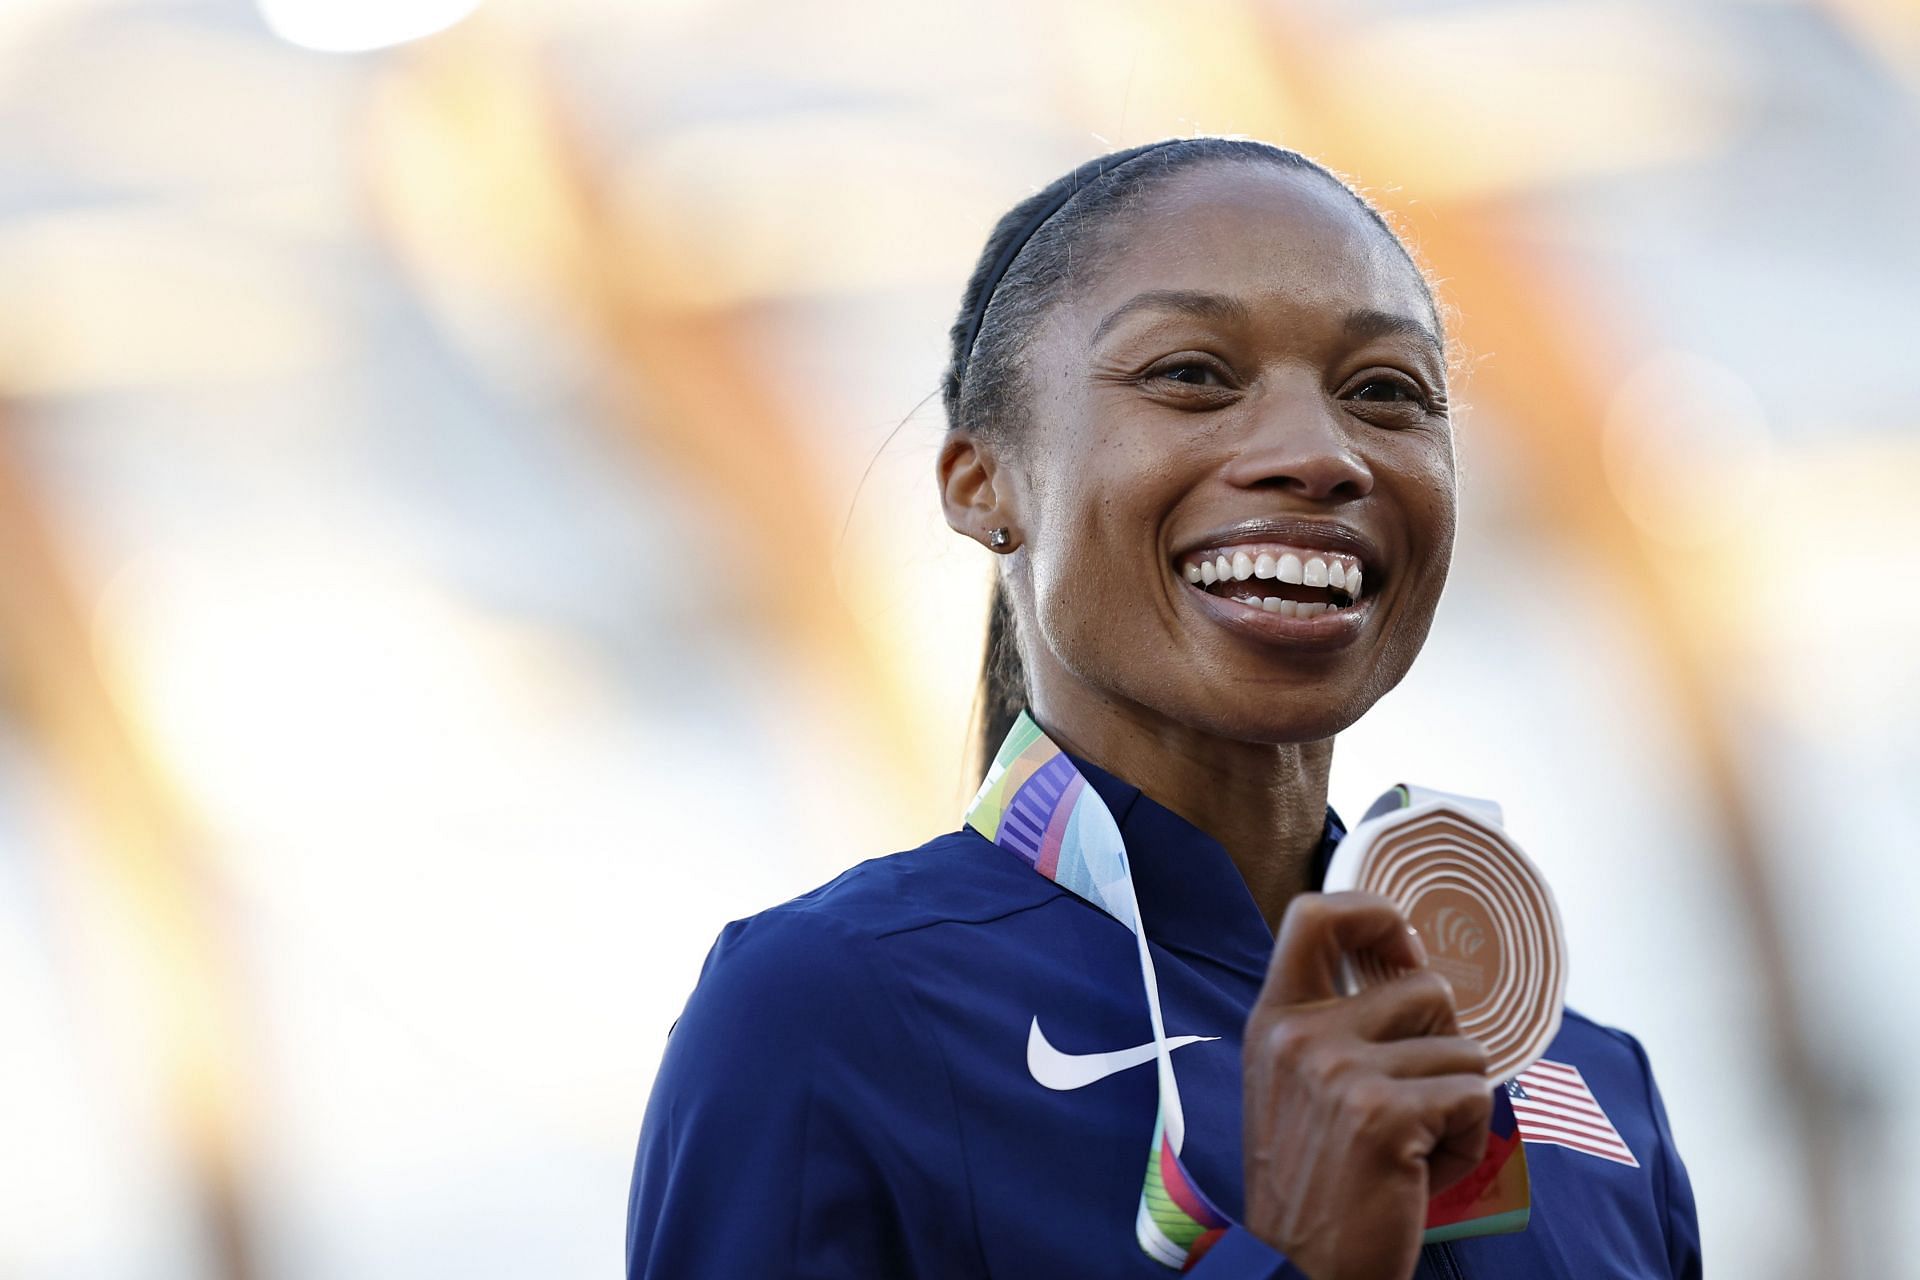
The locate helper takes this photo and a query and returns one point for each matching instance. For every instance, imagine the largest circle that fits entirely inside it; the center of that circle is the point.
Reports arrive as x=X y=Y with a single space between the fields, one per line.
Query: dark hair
x=1027 y=265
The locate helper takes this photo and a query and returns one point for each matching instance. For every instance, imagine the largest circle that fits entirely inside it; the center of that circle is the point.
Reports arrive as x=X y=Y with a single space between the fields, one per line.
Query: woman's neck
x=1264 y=802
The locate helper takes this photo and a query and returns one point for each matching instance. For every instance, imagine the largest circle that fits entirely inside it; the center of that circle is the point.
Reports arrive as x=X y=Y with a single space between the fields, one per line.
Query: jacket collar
x=1192 y=898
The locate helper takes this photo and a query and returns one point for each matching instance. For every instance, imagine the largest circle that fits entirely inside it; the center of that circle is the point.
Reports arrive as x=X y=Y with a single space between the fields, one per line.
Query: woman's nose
x=1301 y=442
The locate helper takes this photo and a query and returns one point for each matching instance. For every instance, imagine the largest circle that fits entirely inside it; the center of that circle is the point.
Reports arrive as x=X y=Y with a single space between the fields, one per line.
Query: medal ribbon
x=1036 y=805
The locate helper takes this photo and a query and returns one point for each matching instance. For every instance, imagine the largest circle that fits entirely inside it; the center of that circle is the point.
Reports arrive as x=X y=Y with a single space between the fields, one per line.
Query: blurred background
x=467 y=531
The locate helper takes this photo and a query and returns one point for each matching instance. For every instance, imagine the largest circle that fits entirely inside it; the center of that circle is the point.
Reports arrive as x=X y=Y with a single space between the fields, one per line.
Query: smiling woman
x=1197 y=405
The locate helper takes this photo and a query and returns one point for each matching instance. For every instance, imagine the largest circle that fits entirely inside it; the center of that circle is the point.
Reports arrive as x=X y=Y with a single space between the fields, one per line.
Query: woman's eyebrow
x=1362 y=324
x=1203 y=306
x=1369 y=323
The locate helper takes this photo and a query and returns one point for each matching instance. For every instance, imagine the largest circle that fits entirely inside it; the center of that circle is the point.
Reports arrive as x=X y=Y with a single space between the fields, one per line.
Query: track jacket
x=855 y=1086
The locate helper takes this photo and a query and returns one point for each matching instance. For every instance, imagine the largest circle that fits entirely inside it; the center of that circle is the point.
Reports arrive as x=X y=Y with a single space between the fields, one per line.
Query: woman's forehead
x=1268 y=236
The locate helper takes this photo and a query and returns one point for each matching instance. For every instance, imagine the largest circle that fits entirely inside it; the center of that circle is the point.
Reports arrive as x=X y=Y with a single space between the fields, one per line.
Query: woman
x=1198 y=407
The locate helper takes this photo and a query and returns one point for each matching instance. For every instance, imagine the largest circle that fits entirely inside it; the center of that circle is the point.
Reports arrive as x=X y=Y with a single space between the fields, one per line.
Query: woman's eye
x=1396 y=389
x=1193 y=373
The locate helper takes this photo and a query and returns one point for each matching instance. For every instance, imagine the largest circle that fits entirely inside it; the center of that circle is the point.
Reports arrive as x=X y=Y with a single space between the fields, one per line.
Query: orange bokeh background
x=467 y=531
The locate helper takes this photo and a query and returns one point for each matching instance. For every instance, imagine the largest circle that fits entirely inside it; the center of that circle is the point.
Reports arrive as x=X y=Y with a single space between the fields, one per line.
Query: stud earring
x=998 y=538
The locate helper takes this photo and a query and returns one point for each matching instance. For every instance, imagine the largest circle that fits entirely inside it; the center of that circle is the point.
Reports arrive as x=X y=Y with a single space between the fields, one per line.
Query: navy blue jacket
x=848 y=1094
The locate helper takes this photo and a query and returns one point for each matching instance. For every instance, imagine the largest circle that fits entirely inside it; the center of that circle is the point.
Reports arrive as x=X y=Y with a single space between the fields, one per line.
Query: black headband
x=1071 y=188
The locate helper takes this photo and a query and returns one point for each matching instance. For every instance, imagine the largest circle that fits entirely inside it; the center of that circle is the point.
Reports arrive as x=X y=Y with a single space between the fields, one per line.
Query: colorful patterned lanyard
x=1035 y=804
x=1038 y=806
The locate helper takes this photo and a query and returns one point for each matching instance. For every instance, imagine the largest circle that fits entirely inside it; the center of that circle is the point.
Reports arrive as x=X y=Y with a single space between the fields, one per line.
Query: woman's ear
x=975 y=491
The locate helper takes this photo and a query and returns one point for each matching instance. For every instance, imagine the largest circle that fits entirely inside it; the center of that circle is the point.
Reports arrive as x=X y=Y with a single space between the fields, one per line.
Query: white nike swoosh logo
x=1058 y=1070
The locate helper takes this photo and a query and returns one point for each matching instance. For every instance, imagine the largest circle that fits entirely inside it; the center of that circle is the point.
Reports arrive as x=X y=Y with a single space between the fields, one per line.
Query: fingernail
x=1419 y=947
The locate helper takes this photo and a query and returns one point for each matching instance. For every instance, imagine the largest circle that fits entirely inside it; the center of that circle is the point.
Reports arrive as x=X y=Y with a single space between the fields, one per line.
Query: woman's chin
x=1310 y=712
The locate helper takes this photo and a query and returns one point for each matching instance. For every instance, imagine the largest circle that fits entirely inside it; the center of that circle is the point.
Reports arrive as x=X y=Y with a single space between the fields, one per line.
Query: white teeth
x=1335 y=572
x=1271 y=603
x=1314 y=610
x=1289 y=608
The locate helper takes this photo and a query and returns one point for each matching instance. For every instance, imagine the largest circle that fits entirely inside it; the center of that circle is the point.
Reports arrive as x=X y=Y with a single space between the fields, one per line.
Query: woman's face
x=1245 y=388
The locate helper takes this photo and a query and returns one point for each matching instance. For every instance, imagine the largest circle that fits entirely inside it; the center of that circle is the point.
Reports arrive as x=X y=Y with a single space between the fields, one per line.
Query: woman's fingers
x=1461 y=1108
x=1319 y=928
x=1419 y=1003
x=1430 y=1056
x=1357 y=1108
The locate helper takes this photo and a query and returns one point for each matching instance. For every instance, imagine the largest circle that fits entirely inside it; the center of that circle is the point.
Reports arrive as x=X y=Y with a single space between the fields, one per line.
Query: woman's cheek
x=1093 y=595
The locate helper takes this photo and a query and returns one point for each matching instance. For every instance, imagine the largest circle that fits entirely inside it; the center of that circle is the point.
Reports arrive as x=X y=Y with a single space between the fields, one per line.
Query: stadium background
x=456 y=551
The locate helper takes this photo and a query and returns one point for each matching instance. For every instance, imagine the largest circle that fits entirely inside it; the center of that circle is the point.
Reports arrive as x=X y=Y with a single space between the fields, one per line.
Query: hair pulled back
x=984 y=389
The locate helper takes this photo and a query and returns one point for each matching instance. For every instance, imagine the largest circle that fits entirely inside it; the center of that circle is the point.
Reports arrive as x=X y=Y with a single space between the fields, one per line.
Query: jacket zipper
x=1446 y=1264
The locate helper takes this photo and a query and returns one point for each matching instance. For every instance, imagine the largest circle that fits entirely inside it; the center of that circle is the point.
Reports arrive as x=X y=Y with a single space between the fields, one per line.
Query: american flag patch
x=1552 y=1103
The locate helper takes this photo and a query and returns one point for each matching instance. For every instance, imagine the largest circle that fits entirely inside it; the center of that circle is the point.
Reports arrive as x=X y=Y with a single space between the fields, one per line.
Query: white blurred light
x=348 y=26
x=1686 y=449
x=357 y=675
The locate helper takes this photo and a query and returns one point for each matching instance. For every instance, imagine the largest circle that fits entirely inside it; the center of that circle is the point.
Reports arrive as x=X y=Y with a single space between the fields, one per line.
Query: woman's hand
x=1358 y=1108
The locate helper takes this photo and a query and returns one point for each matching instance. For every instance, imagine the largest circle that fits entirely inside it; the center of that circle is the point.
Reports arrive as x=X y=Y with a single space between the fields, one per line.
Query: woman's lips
x=1331 y=628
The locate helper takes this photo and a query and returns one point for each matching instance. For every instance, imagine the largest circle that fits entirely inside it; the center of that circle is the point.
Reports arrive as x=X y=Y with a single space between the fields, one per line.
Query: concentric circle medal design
x=1484 y=912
